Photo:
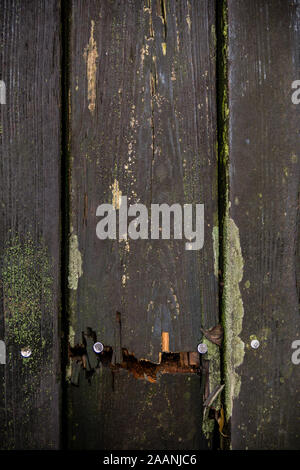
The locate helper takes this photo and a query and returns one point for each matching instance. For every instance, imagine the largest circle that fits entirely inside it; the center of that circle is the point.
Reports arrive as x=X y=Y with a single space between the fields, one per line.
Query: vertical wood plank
x=262 y=283
x=143 y=125
x=29 y=229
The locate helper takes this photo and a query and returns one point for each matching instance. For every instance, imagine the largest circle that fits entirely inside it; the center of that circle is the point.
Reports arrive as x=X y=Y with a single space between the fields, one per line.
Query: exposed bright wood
x=165 y=342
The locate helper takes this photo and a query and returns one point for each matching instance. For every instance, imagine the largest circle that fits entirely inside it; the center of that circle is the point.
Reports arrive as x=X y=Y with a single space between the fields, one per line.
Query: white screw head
x=26 y=352
x=255 y=344
x=98 y=347
x=202 y=348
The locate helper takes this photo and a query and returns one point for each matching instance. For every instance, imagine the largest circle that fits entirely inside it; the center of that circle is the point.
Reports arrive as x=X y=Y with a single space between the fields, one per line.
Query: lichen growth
x=75 y=262
x=215 y=235
x=27 y=292
x=233 y=312
x=116 y=195
x=232 y=261
x=294 y=158
x=213 y=356
x=208 y=425
x=71 y=336
x=213 y=36
x=27 y=284
x=223 y=144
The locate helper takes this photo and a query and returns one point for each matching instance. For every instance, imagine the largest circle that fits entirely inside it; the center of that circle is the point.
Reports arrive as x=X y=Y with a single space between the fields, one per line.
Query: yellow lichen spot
x=144 y=52
x=173 y=76
x=116 y=195
x=125 y=277
x=188 y=20
x=294 y=158
x=177 y=35
x=175 y=303
x=164 y=47
x=90 y=55
x=71 y=336
x=75 y=262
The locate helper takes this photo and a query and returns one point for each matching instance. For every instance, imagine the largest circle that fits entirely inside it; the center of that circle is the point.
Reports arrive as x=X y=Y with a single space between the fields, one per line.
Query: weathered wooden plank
x=29 y=229
x=143 y=125
x=262 y=225
x=136 y=414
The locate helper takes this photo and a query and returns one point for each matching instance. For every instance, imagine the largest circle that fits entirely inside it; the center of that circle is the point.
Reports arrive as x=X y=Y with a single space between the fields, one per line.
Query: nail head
x=255 y=344
x=98 y=347
x=202 y=348
x=26 y=352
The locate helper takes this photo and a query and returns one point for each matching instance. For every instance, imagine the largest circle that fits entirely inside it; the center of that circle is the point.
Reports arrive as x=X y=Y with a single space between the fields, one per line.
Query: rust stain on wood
x=171 y=363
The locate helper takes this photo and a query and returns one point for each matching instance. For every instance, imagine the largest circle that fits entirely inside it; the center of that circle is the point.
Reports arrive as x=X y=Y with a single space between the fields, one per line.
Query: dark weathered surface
x=29 y=229
x=136 y=414
x=142 y=107
x=142 y=124
x=264 y=194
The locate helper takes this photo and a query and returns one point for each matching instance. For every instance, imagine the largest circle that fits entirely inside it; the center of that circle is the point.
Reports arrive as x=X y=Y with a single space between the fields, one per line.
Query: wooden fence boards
x=263 y=54
x=143 y=124
x=137 y=117
x=29 y=230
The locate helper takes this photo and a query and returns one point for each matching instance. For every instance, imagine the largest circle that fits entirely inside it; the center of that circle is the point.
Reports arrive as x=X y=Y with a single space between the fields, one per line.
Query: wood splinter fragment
x=212 y=396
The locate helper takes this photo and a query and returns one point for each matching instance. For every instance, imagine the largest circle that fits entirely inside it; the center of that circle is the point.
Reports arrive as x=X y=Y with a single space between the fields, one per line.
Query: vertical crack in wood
x=164 y=18
x=223 y=163
x=152 y=93
x=117 y=355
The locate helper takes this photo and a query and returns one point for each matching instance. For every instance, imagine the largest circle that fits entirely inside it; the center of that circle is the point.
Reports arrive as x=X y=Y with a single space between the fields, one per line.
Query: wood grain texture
x=142 y=107
x=29 y=229
x=264 y=195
